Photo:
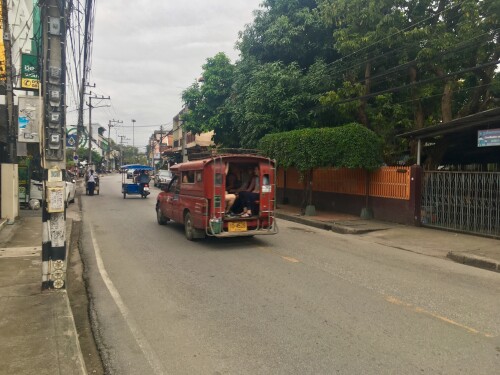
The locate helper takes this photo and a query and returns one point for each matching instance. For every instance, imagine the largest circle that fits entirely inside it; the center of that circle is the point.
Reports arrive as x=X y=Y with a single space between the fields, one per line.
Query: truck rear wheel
x=188 y=227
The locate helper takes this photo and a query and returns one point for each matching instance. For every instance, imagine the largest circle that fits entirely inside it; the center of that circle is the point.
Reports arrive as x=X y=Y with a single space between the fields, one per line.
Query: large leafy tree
x=270 y=99
x=287 y=31
x=391 y=65
x=452 y=46
x=414 y=63
x=207 y=101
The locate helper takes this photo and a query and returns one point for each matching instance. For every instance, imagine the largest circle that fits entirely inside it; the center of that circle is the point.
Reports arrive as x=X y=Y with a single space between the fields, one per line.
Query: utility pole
x=9 y=93
x=86 y=47
x=109 y=138
x=161 y=143
x=133 y=134
x=90 y=121
x=122 y=137
x=53 y=145
x=80 y=127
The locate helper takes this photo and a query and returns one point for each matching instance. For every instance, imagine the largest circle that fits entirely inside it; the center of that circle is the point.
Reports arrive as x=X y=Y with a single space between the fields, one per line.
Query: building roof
x=486 y=119
x=457 y=141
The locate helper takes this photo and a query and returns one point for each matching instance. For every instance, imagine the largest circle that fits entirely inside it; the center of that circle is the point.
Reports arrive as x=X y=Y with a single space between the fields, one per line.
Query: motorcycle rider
x=143 y=179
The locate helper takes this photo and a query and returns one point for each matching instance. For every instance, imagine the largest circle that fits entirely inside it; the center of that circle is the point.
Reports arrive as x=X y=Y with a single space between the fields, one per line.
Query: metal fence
x=462 y=201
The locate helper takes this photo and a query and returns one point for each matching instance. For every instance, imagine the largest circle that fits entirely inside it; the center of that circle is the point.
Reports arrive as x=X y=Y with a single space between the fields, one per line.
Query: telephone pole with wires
x=90 y=120
x=87 y=40
x=53 y=143
x=110 y=125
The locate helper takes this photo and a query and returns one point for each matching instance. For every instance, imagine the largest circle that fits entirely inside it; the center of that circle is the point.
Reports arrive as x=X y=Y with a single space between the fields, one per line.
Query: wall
x=394 y=193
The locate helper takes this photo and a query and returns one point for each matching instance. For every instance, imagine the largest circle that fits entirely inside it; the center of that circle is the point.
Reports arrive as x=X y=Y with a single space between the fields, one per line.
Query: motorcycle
x=144 y=190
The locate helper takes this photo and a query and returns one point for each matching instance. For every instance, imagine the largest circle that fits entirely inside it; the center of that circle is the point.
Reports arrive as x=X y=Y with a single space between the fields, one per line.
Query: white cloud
x=145 y=53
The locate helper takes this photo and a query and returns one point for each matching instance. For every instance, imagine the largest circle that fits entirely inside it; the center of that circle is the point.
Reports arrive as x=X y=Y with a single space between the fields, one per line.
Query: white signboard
x=29 y=119
x=55 y=200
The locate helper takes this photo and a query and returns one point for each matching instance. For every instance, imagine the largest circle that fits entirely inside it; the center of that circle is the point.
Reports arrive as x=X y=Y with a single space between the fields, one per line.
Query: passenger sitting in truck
x=188 y=177
x=229 y=196
x=251 y=194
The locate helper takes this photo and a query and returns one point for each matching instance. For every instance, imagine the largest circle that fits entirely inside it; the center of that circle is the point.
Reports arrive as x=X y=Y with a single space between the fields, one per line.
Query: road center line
x=290 y=259
x=141 y=341
x=420 y=310
x=269 y=251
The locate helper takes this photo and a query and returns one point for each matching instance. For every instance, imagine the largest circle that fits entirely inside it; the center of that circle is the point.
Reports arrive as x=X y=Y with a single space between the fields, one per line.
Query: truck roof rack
x=224 y=152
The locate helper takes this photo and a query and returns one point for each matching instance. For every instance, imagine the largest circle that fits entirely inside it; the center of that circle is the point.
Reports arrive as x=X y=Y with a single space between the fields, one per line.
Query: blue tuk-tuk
x=136 y=187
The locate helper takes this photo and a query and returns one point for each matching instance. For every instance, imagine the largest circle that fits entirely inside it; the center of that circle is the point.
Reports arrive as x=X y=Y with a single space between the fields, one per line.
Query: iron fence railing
x=462 y=201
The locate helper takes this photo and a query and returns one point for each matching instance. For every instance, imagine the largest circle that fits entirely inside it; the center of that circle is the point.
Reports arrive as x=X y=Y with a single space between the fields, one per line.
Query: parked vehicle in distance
x=36 y=189
x=130 y=173
x=70 y=183
x=196 y=196
x=163 y=177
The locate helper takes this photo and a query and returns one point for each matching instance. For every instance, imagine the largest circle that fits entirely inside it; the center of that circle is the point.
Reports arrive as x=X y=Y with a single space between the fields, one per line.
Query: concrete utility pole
x=53 y=145
x=90 y=121
x=122 y=137
x=110 y=125
x=161 y=142
x=133 y=133
x=86 y=47
x=9 y=93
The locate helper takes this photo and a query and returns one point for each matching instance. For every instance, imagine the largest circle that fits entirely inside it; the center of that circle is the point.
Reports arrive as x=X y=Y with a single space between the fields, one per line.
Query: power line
x=413 y=84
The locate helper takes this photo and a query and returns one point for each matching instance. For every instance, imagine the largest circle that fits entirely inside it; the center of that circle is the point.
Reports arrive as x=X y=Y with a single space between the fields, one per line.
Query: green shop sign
x=30 y=79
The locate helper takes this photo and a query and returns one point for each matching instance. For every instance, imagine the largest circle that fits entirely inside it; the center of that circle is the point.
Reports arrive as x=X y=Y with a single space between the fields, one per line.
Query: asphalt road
x=305 y=301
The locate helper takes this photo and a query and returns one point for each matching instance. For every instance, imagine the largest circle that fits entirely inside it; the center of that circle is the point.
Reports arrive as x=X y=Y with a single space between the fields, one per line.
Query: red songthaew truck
x=201 y=191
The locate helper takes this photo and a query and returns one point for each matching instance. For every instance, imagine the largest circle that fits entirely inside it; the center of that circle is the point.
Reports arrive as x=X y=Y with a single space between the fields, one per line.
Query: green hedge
x=347 y=146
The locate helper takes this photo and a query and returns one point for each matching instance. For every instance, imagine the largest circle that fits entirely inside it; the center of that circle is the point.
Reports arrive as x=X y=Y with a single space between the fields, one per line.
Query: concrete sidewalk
x=467 y=249
x=37 y=328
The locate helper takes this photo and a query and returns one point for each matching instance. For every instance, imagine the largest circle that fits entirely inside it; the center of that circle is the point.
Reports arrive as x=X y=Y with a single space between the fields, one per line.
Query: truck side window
x=173 y=184
x=266 y=187
x=188 y=177
x=199 y=176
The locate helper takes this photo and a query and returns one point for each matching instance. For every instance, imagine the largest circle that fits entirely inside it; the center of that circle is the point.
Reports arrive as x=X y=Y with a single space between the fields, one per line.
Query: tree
x=389 y=48
x=287 y=31
x=207 y=102
x=83 y=154
x=130 y=154
x=269 y=100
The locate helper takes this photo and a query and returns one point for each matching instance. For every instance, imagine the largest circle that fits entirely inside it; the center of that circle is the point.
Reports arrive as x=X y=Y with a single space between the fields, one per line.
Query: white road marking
x=72 y=318
x=20 y=252
x=142 y=342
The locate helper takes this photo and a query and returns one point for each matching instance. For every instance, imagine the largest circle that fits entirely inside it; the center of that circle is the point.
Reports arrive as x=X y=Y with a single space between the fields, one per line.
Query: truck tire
x=162 y=220
x=188 y=227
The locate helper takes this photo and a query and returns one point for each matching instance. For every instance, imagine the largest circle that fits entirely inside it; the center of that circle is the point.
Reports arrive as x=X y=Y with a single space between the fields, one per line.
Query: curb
x=322 y=225
x=475 y=261
x=3 y=222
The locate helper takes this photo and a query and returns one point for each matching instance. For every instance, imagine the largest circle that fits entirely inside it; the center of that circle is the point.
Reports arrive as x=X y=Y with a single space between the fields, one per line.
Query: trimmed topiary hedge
x=347 y=146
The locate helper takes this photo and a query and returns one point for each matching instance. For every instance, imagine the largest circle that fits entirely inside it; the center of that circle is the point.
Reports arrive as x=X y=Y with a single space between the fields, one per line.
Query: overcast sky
x=146 y=52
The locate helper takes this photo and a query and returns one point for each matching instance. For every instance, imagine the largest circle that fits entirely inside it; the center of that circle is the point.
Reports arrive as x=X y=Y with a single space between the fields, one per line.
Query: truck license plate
x=237 y=226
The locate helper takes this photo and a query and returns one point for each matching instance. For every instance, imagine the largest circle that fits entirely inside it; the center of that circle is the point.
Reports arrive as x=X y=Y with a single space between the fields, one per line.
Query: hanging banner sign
x=30 y=80
x=29 y=119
